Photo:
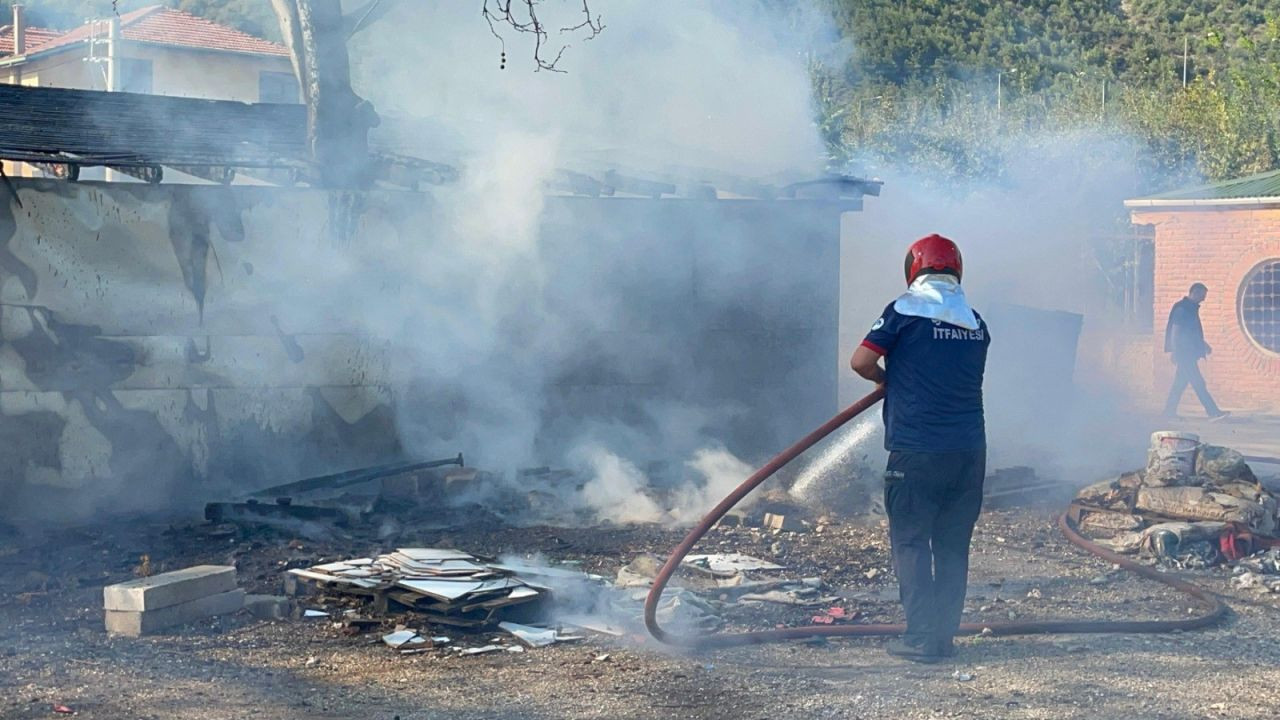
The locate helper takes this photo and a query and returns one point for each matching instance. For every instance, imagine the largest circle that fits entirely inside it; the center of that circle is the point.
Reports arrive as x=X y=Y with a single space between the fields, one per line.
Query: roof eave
x=1141 y=203
x=26 y=57
x=81 y=42
x=227 y=51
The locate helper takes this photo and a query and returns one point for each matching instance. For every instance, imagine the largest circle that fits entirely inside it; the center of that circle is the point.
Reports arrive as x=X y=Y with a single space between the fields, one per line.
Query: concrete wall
x=153 y=350
x=138 y=354
x=1218 y=247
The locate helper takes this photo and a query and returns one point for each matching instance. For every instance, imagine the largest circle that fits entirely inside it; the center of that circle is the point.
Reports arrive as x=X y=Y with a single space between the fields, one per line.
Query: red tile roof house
x=1227 y=236
x=161 y=51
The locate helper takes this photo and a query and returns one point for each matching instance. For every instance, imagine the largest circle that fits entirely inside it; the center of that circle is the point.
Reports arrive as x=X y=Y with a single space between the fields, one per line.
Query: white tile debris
x=592 y=624
x=480 y=650
x=730 y=563
x=402 y=638
x=450 y=587
x=532 y=636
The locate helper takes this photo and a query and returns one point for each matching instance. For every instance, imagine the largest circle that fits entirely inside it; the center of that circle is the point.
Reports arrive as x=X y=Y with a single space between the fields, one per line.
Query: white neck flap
x=937 y=297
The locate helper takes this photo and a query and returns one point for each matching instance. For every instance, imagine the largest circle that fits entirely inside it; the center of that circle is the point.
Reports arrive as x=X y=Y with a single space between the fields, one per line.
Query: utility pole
x=1186 y=46
x=1104 y=98
x=114 y=81
x=999 y=93
x=1000 y=90
x=19 y=40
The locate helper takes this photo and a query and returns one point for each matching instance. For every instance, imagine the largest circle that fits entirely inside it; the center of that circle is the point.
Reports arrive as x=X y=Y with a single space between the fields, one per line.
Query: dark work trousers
x=1188 y=373
x=933 y=501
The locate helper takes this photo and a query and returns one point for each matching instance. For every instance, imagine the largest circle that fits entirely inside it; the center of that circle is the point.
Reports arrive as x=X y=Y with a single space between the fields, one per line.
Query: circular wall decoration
x=1259 y=305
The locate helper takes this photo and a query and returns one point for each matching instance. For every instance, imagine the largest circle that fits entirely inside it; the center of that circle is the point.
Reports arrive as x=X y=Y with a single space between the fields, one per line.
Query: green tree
x=933 y=69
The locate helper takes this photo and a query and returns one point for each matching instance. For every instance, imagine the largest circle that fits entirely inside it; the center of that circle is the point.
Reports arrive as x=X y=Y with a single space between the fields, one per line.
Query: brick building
x=1227 y=236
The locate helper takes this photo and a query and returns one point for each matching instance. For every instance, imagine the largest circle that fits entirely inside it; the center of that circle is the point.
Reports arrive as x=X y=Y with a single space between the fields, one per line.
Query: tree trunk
x=338 y=120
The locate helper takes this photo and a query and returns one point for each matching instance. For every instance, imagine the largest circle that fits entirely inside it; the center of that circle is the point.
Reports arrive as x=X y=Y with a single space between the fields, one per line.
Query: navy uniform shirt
x=933 y=369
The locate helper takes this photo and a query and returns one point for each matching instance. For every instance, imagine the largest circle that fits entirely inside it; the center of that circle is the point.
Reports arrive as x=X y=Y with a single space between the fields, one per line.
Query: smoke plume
x=684 y=90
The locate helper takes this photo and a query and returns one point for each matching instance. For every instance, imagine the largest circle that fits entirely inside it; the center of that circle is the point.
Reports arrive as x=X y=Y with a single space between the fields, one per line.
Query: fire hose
x=1214 y=609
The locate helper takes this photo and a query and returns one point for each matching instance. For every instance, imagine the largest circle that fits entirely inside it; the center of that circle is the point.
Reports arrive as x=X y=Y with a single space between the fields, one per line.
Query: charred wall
x=143 y=351
x=154 y=350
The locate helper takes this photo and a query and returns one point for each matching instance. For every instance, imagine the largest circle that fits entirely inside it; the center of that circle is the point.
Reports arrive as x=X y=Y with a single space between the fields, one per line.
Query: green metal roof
x=1251 y=187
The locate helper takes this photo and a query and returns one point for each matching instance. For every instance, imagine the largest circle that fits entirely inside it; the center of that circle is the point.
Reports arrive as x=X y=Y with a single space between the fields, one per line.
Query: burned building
x=153 y=340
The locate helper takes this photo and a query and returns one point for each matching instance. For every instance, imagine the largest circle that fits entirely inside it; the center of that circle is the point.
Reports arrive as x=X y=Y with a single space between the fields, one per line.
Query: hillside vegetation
x=953 y=87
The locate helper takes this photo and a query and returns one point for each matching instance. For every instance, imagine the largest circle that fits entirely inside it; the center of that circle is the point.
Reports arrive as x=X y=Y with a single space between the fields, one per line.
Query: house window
x=135 y=75
x=277 y=87
x=1260 y=305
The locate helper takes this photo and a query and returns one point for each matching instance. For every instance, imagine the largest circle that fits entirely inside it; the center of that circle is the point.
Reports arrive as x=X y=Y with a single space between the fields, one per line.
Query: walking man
x=1184 y=341
x=935 y=351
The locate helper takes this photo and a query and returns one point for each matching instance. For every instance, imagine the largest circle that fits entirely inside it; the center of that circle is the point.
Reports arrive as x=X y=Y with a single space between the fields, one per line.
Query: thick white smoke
x=616 y=488
x=720 y=473
x=686 y=90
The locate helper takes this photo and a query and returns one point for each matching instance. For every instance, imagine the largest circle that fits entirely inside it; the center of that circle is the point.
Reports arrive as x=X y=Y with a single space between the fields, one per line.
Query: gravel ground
x=53 y=649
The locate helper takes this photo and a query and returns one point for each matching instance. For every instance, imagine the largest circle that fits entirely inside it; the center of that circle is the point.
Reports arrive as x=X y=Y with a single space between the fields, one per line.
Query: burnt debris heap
x=1194 y=505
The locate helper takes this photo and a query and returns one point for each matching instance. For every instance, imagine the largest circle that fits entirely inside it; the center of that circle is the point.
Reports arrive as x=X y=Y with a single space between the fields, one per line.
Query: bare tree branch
x=593 y=24
x=524 y=19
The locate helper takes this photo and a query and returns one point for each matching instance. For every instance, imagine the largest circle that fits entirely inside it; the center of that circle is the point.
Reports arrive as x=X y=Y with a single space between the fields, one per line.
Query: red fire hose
x=1214 y=608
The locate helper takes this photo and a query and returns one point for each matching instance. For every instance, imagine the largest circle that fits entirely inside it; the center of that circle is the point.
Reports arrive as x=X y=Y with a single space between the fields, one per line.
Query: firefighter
x=935 y=350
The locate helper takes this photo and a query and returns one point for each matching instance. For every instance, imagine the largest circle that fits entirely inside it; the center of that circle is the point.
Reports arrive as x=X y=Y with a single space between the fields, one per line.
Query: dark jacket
x=1184 y=335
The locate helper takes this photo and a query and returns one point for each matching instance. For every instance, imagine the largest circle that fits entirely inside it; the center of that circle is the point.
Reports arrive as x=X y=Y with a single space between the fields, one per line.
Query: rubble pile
x=1260 y=572
x=715 y=591
x=447 y=587
x=486 y=605
x=456 y=603
x=514 y=638
x=1194 y=505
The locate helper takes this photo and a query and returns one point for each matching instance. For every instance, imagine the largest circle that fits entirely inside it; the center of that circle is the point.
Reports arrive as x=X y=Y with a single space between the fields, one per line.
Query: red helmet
x=933 y=253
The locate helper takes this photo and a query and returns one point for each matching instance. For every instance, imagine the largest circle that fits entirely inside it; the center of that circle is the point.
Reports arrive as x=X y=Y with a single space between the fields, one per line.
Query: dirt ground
x=53 y=649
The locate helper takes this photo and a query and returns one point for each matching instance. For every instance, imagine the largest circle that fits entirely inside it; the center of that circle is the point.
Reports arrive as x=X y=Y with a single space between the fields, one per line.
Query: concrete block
x=167 y=589
x=782 y=523
x=268 y=607
x=133 y=624
x=293 y=587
